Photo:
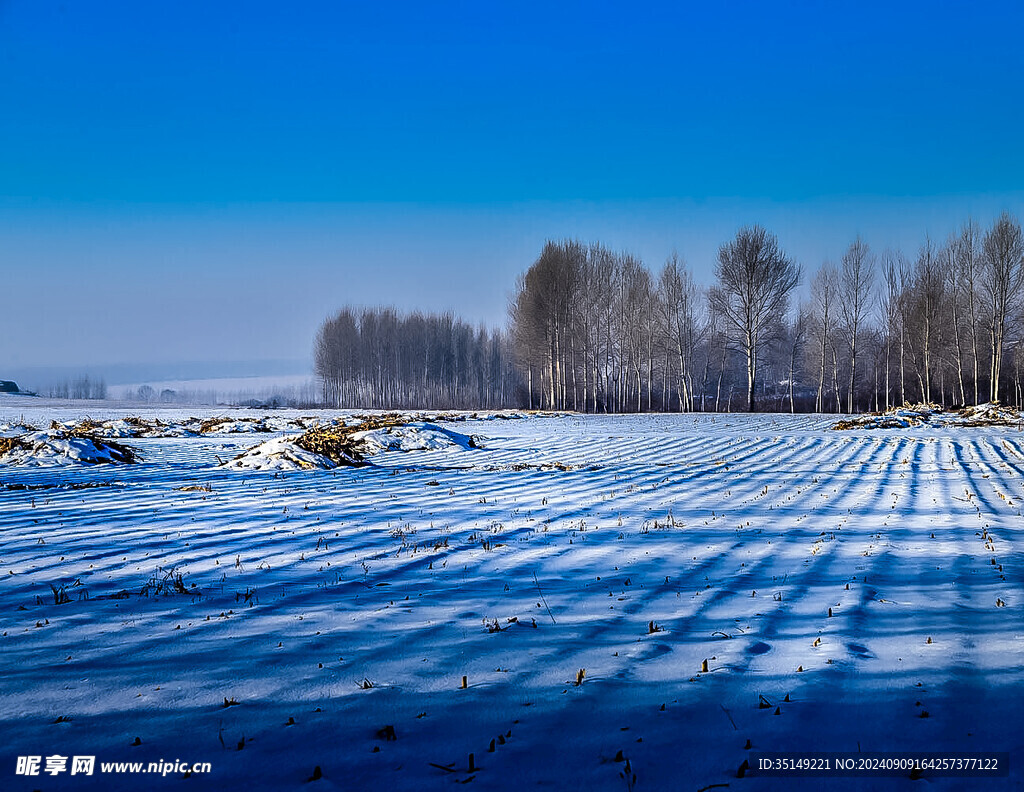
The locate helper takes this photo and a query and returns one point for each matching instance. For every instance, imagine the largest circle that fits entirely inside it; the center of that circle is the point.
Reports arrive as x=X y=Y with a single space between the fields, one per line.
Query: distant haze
x=162 y=374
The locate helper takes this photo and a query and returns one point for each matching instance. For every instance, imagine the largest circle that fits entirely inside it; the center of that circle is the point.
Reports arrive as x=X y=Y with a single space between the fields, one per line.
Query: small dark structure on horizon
x=9 y=386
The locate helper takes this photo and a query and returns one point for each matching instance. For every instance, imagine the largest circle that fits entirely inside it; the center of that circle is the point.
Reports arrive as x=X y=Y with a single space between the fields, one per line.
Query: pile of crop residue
x=334 y=442
x=896 y=418
x=130 y=426
x=324 y=447
x=7 y=428
x=912 y=415
x=226 y=425
x=990 y=414
x=136 y=426
x=59 y=447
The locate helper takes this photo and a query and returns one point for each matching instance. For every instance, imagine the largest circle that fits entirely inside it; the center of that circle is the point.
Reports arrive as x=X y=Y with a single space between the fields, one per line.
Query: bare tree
x=797 y=338
x=954 y=289
x=543 y=316
x=678 y=303
x=1003 y=256
x=600 y=286
x=637 y=296
x=967 y=266
x=924 y=303
x=894 y=272
x=856 y=282
x=755 y=279
x=823 y=308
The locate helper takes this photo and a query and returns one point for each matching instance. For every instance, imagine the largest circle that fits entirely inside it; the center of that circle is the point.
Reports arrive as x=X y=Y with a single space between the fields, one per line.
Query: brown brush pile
x=84 y=427
x=106 y=451
x=895 y=418
x=912 y=415
x=336 y=441
x=877 y=421
x=211 y=424
x=991 y=414
x=8 y=444
x=85 y=430
x=230 y=425
x=118 y=453
x=141 y=425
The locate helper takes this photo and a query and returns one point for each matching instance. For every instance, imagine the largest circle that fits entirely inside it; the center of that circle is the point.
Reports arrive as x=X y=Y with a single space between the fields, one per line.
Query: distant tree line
x=272 y=397
x=594 y=330
x=83 y=387
x=147 y=394
x=379 y=358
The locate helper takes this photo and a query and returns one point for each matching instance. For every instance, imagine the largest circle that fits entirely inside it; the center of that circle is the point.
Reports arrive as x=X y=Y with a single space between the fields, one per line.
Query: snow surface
x=414 y=436
x=332 y=604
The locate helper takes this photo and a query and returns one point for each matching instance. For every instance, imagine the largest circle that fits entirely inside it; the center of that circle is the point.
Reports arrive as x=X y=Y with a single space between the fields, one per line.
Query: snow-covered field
x=576 y=601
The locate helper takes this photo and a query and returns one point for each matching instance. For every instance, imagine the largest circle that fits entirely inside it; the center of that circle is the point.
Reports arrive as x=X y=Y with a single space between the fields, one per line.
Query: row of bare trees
x=594 y=330
x=378 y=358
x=945 y=326
x=82 y=387
x=580 y=328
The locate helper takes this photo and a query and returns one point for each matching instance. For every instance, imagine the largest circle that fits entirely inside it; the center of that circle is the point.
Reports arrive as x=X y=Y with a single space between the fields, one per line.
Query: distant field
x=579 y=600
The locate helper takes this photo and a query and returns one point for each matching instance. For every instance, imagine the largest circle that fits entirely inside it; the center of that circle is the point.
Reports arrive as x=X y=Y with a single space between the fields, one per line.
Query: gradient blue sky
x=207 y=181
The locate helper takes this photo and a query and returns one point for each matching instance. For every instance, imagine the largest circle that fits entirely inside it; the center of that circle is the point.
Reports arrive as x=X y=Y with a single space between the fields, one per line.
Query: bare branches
x=856 y=284
x=1003 y=261
x=595 y=330
x=755 y=279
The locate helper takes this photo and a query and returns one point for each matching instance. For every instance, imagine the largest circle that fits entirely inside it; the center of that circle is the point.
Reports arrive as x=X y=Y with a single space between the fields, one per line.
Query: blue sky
x=220 y=176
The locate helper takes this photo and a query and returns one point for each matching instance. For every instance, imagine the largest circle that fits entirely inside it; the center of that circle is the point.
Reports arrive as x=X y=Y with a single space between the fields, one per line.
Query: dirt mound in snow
x=348 y=444
x=57 y=447
x=910 y=415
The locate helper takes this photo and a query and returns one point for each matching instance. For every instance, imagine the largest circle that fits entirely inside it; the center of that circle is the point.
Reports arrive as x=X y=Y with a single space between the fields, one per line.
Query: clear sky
x=207 y=181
